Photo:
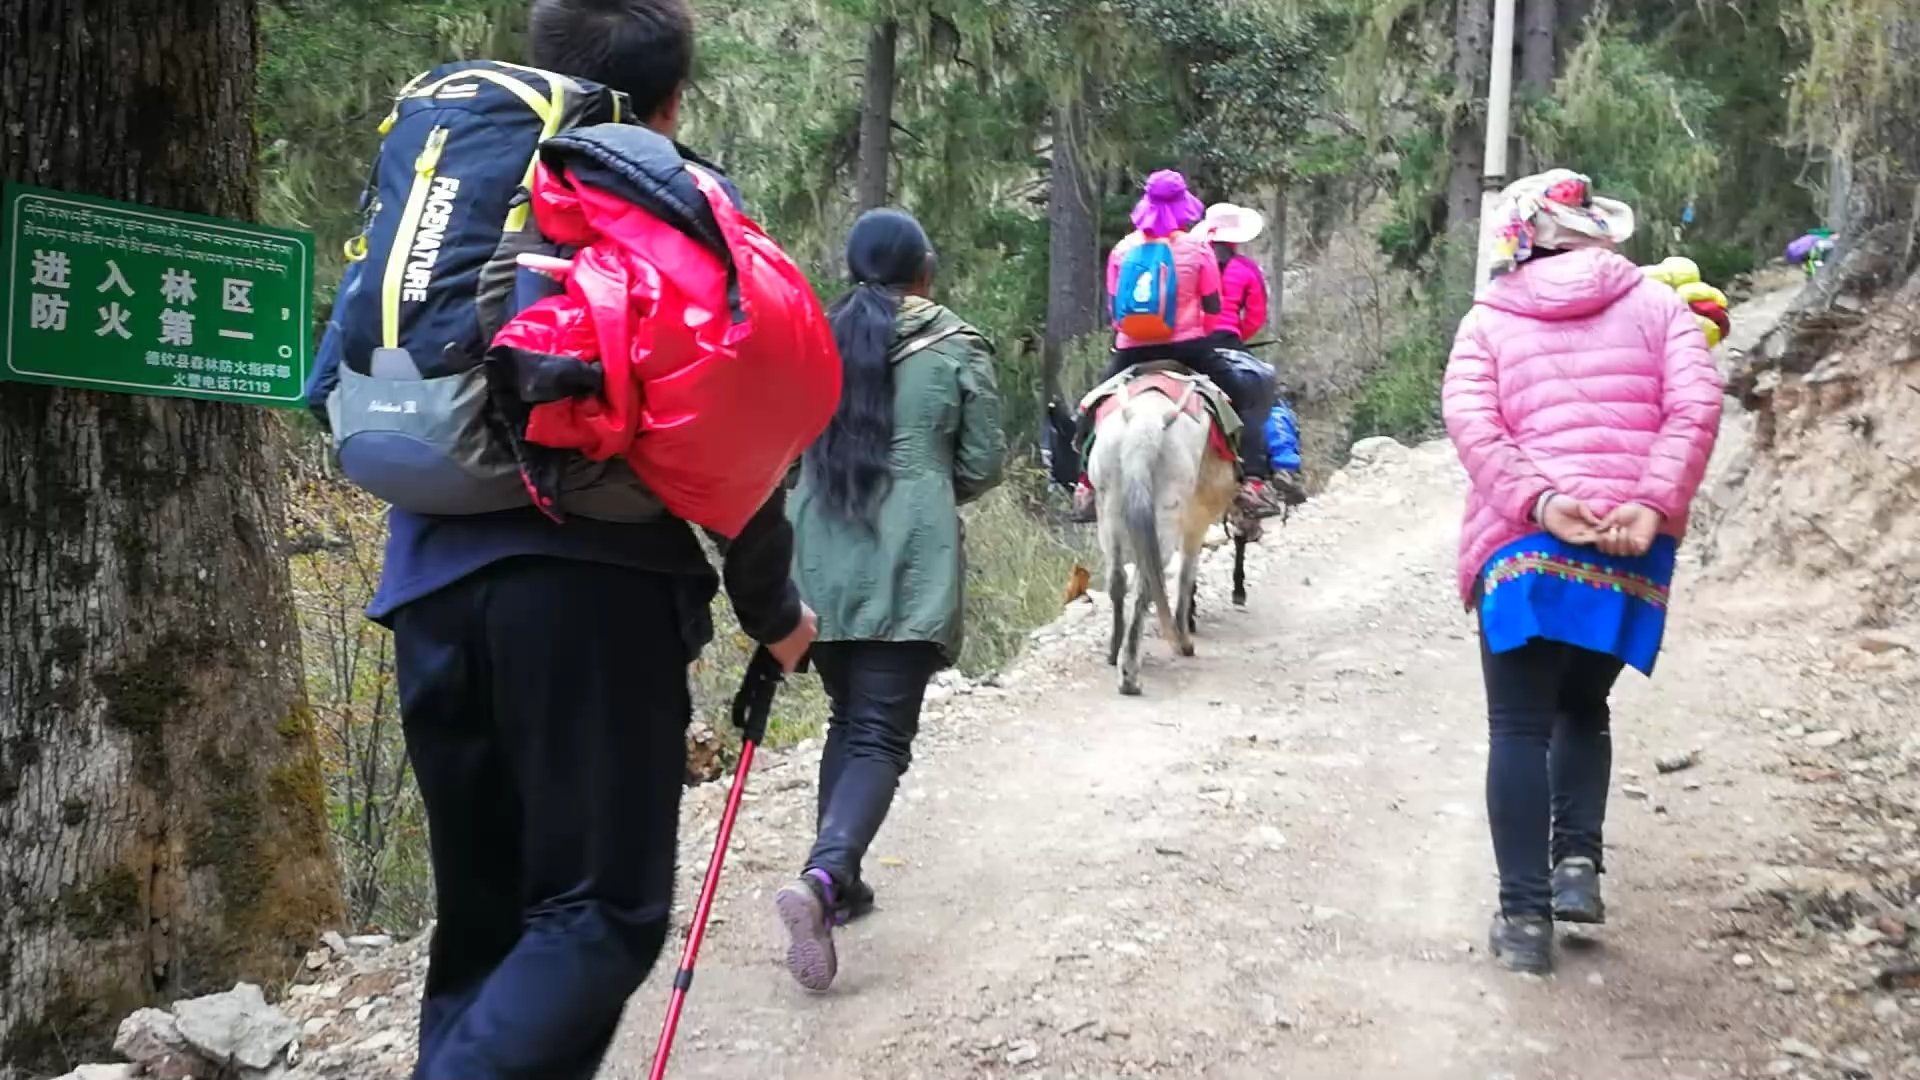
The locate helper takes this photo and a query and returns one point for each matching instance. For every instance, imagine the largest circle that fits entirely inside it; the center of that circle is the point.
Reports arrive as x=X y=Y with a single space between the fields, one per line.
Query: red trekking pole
x=751 y=706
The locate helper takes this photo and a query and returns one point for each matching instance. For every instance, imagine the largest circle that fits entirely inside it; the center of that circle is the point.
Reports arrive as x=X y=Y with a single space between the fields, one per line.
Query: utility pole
x=1493 y=175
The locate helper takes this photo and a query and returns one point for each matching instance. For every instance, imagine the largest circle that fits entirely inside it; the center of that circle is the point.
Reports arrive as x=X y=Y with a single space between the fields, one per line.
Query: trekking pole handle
x=753 y=702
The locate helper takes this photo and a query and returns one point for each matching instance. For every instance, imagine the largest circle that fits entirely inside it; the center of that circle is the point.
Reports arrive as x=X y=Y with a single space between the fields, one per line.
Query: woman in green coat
x=877 y=549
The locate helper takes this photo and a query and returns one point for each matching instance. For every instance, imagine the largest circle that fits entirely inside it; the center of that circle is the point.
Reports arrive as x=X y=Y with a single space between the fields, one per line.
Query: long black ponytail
x=850 y=465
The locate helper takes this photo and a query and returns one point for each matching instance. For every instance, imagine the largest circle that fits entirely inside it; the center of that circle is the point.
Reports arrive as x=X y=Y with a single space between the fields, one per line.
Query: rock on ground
x=237 y=1027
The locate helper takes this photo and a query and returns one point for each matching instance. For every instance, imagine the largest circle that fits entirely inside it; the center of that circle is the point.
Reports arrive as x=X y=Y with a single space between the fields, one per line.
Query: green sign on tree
x=108 y=296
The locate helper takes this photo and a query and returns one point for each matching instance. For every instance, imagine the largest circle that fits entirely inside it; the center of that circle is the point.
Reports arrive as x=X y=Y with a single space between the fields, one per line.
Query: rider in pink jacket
x=1584 y=405
x=1243 y=299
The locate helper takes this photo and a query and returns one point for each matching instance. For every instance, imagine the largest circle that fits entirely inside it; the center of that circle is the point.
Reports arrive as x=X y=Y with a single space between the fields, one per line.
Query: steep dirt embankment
x=1819 y=497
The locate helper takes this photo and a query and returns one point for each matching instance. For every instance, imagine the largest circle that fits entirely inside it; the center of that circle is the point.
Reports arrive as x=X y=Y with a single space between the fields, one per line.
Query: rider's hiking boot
x=1576 y=892
x=1522 y=943
x=1288 y=488
x=1257 y=498
x=1244 y=516
x=806 y=907
x=1084 y=508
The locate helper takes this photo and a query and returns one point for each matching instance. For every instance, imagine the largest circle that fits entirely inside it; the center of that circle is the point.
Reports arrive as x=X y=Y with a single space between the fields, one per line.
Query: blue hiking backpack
x=1147 y=291
x=432 y=278
x=1283 y=438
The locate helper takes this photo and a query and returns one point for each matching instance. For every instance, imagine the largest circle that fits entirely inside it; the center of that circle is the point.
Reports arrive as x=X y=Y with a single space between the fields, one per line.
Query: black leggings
x=1550 y=752
x=1251 y=402
x=877 y=688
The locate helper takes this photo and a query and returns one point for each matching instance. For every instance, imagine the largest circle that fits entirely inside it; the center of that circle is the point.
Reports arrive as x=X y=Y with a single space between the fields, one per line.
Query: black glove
x=538 y=377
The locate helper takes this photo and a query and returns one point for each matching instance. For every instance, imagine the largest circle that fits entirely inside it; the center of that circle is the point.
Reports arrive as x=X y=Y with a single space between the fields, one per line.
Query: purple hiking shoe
x=806 y=910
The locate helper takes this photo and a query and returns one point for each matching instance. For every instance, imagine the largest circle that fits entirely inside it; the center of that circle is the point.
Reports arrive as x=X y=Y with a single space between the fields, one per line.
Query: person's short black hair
x=643 y=48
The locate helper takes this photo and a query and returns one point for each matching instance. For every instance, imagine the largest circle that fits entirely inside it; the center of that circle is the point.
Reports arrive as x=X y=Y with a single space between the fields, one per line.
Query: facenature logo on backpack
x=425 y=251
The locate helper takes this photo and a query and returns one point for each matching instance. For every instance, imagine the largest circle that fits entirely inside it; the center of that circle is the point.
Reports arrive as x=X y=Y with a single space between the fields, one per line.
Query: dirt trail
x=1274 y=864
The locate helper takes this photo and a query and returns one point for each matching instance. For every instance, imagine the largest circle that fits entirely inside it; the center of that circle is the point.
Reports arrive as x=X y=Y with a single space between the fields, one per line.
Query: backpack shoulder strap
x=925 y=341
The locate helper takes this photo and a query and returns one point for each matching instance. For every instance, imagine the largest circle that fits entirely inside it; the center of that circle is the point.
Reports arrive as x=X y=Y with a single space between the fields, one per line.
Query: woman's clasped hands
x=1629 y=530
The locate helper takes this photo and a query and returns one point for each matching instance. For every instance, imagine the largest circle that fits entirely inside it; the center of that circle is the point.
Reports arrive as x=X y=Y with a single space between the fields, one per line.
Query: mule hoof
x=1240 y=600
x=1187 y=649
x=1130 y=688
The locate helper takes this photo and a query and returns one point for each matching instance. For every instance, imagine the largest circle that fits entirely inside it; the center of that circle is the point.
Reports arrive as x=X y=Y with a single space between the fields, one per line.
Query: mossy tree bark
x=1277 y=257
x=1472 y=42
x=162 y=818
x=876 y=115
x=1540 y=33
x=1075 y=282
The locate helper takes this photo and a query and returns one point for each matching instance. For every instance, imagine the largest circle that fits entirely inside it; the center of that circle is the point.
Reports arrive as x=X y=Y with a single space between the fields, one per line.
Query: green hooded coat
x=902 y=577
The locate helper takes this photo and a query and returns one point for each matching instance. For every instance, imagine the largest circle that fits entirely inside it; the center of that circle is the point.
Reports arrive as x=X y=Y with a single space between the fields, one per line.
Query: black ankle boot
x=856 y=901
x=1576 y=892
x=1522 y=943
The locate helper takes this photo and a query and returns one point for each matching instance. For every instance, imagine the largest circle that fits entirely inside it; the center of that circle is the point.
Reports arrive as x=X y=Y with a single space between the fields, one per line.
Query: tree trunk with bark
x=1472 y=40
x=1570 y=25
x=163 y=824
x=1277 y=257
x=1074 y=279
x=876 y=115
x=1539 y=40
x=1539 y=21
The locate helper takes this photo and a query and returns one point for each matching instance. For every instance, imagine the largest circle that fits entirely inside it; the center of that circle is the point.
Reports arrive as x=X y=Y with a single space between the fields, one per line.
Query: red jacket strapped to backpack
x=718 y=373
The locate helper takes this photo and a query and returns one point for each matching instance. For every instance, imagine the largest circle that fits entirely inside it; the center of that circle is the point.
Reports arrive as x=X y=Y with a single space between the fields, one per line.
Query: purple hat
x=1167 y=207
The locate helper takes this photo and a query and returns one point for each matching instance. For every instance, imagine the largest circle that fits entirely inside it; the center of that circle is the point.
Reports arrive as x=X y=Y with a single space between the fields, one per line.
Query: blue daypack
x=1283 y=438
x=1146 y=293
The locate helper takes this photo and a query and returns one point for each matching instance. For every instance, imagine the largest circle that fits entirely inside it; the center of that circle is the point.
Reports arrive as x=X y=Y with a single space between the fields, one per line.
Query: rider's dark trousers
x=1250 y=402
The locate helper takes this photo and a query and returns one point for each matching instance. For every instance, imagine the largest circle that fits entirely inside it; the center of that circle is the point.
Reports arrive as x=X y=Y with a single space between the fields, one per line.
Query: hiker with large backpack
x=879 y=553
x=1163 y=287
x=559 y=346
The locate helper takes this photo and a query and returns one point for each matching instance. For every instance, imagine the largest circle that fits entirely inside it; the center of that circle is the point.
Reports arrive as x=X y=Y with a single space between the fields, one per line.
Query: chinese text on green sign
x=108 y=296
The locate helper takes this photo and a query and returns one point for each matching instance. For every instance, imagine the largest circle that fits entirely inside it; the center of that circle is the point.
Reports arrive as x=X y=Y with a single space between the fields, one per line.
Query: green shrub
x=1401 y=397
x=1720 y=263
x=1018 y=564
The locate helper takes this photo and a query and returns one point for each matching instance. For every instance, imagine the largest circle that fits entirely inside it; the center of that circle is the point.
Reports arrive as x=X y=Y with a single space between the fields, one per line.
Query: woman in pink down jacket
x=1584 y=404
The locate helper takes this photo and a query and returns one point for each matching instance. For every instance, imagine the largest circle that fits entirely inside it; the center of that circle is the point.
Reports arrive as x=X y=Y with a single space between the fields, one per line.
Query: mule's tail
x=1140 y=505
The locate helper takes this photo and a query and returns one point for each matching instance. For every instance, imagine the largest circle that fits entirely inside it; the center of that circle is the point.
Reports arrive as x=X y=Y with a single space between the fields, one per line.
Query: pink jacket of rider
x=1577 y=374
x=1243 y=298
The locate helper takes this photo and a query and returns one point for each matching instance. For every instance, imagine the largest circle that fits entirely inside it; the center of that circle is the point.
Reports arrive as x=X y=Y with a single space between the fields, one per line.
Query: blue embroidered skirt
x=1539 y=587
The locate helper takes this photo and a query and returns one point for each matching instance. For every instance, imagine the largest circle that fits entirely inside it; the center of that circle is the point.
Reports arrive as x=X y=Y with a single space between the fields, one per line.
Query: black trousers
x=877 y=688
x=1250 y=403
x=1549 y=756
x=545 y=704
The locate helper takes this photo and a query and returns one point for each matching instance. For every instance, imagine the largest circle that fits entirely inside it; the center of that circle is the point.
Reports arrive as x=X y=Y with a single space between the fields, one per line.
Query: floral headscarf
x=1554 y=211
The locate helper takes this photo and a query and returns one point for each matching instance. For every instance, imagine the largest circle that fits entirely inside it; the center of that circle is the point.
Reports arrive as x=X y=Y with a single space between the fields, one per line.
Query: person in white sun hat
x=1243 y=312
x=1243 y=285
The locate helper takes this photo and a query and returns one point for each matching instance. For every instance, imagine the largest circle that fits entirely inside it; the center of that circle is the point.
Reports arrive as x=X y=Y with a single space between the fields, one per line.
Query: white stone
x=237 y=1026
x=147 y=1034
